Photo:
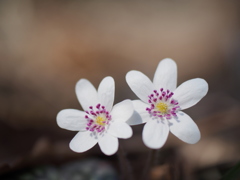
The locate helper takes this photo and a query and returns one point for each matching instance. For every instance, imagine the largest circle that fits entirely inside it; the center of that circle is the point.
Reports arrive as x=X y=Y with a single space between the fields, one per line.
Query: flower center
x=162 y=107
x=98 y=118
x=162 y=104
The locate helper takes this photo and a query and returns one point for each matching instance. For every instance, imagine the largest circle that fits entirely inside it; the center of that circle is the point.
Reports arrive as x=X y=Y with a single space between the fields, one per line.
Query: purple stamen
x=93 y=125
x=164 y=97
x=98 y=106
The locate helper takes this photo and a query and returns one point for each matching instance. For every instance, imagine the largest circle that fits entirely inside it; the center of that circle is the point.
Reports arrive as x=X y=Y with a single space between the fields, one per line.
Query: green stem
x=145 y=175
x=233 y=174
x=126 y=169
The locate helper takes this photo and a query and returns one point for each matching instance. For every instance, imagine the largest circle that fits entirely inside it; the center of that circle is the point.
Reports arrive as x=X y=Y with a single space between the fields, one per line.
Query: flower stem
x=126 y=169
x=148 y=164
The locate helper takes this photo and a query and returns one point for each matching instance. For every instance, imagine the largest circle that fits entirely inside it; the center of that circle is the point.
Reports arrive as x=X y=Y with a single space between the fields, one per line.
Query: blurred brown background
x=46 y=46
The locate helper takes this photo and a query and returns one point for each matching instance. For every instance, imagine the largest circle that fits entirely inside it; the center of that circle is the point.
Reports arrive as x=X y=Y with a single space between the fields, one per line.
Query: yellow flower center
x=100 y=120
x=162 y=107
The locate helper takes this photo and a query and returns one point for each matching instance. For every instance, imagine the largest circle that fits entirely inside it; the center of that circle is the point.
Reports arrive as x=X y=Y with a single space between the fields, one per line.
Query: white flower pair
x=159 y=107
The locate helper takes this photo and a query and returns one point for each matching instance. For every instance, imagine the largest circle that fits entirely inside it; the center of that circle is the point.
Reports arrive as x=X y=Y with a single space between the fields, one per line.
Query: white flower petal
x=166 y=75
x=108 y=144
x=155 y=133
x=140 y=84
x=190 y=92
x=72 y=119
x=83 y=141
x=120 y=130
x=106 y=92
x=185 y=128
x=86 y=94
x=140 y=115
x=122 y=111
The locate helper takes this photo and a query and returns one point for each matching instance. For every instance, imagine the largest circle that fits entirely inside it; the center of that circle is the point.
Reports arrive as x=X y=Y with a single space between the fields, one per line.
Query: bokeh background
x=46 y=46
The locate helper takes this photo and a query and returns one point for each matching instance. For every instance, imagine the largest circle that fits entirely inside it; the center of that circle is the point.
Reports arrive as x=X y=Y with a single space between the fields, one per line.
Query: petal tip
x=204 y=84
x=155 y=134
x=130 y=133
x=196 y=140
x=80 y=83
x=60 y=118
x=152 y=146
x=131 y=73
x=73 y=148
x=83 y=80
x=109 y=154
x=109 y=78
x=168 y=60
x=107 y=151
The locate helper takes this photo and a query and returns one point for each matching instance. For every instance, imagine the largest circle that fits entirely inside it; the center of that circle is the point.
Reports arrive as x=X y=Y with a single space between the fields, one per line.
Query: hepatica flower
x=161 y=104
x=100 y=122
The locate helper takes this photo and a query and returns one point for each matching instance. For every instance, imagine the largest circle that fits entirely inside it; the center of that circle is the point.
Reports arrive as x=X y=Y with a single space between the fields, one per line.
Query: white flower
x=100 y=123
x=161 y=104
